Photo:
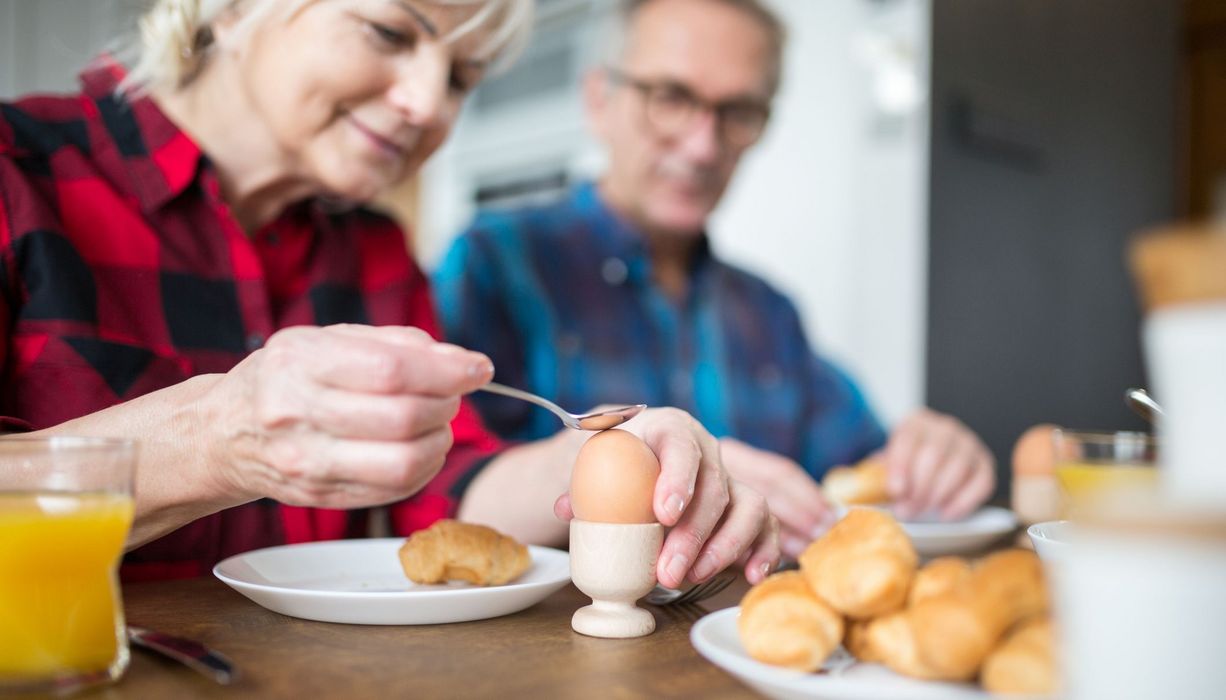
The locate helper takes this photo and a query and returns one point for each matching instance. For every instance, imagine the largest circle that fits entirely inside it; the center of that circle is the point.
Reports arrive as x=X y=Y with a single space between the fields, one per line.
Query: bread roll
x=863 y=566
x=453 y=551
x=783 y=623
x=859 y=485
x=955 y=631
x=1025 y=662
x=937 y=577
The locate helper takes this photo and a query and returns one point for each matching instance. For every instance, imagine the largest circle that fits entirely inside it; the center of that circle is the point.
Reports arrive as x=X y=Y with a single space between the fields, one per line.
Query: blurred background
x=947 y=187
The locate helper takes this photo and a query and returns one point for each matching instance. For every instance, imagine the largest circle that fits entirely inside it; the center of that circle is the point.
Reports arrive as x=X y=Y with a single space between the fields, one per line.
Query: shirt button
x=614 y=271
x=255 y=341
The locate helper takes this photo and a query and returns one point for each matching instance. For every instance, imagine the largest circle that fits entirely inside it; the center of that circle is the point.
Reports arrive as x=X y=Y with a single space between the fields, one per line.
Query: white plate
x=842 y=678
x=361 y=582
x=972 y=534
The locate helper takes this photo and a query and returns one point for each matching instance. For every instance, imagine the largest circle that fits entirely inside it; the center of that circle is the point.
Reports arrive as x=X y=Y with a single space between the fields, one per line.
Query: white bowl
x=1051 y=539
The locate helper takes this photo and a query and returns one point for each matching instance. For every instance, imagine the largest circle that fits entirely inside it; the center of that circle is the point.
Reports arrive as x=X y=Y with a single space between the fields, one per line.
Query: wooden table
x=531 y=654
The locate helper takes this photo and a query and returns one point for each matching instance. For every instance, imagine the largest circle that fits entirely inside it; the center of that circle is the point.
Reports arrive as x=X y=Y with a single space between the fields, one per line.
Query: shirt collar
x=618 y=237
x=159 y=159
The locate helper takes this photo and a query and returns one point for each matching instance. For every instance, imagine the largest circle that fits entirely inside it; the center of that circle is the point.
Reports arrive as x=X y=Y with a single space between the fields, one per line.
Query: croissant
x=450 y=550
x=891 y=640
x=955 y=631
x=856 y=641
x=861 y=484
x=1025 y=662
x=863 y=566
x=783 y=623
x=938 y=576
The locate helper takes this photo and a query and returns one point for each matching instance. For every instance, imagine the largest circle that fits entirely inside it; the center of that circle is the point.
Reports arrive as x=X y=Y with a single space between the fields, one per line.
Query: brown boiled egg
x=1035 y=451
x=614 y=479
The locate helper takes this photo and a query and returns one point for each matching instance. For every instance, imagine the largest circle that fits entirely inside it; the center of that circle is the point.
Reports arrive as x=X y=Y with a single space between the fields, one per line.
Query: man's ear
x=596 y=88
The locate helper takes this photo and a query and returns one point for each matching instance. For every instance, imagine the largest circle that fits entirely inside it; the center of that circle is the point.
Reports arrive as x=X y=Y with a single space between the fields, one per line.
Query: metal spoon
x=1141 y=402
x=596 y=420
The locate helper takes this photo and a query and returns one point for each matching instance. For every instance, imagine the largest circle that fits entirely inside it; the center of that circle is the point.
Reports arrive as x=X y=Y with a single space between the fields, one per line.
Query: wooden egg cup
x=615 y=564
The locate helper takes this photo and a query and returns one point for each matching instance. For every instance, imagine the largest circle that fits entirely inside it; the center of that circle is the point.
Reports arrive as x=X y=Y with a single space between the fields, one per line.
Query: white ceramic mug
x=1142 y=614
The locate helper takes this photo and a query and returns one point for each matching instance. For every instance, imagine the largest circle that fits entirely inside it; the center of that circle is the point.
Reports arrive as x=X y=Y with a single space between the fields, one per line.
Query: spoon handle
x=1144 y=405
x=188 y=652
x=496 y=388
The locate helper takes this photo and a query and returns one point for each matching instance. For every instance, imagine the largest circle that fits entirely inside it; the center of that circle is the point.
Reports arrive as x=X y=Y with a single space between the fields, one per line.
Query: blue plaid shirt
x=561 y=298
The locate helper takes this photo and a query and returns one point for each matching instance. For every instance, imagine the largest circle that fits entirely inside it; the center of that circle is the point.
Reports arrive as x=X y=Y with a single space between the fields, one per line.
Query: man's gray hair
x=756 y=10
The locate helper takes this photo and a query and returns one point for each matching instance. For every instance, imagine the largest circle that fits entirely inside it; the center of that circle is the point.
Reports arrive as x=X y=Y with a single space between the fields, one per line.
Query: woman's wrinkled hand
x=339 y=417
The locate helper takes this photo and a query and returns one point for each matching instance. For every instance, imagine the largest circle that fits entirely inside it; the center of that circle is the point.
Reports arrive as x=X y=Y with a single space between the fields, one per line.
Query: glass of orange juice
x=1101 y=468
x=65 y=510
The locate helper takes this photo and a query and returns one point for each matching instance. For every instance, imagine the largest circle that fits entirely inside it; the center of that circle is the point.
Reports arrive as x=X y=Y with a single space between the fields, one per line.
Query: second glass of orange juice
x=65 y=510
x=1099 y=468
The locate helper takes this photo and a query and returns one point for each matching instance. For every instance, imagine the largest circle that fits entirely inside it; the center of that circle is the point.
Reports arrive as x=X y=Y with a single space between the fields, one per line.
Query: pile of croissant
x=952 y=620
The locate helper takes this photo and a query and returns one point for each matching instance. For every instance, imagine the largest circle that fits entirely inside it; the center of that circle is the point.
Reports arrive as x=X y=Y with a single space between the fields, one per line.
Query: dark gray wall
x=1053 y=141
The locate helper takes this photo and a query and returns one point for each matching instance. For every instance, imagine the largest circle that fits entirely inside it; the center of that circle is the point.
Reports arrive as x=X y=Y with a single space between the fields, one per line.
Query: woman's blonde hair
x=176 y=35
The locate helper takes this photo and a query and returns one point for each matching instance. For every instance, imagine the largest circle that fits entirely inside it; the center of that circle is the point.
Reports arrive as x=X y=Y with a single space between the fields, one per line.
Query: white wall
x=830 y=207
x=45 y=43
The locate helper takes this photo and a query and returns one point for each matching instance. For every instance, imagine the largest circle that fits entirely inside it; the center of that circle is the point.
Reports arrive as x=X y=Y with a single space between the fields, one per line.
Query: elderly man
x=614 y=294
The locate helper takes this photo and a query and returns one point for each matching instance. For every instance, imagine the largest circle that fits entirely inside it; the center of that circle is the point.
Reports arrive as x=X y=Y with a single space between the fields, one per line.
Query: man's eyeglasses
x=670 y=108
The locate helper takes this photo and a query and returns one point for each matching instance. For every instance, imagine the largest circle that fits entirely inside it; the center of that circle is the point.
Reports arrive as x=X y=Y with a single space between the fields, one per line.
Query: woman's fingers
x=353 y=415
x=763 y=557
x=345 y=416
x=322 y=471
x=745 y=522
x=678 y=441
x=384 y=360
x=791 y=493
x=686 y=539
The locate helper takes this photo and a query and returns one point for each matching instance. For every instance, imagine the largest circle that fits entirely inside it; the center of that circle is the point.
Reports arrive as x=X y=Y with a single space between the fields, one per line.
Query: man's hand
x=791 y=493
x=936 y=464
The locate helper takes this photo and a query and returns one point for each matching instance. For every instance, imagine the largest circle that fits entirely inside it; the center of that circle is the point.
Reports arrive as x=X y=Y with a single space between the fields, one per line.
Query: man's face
x=670 y=179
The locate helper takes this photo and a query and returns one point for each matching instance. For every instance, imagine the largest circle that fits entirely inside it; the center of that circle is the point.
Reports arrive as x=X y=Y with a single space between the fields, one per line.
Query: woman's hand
x=715 y=521
x=339 y=417
x=791 y=493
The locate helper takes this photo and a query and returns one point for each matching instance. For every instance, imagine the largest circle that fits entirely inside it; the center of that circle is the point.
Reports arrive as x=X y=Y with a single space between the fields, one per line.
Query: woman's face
x=358 y=93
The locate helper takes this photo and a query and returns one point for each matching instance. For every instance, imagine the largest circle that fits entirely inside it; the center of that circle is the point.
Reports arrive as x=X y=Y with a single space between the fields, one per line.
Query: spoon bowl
x=596 y=420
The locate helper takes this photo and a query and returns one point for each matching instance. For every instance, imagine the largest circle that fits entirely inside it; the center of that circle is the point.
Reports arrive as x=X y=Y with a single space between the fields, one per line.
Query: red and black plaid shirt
x=122 y=272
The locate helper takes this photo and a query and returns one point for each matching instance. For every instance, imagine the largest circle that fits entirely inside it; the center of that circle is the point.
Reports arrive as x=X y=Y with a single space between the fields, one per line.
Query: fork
x=701 y=591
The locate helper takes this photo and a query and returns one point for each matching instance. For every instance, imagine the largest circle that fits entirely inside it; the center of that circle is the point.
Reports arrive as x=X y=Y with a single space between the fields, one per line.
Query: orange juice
x=60 y=610
x=1085 y=481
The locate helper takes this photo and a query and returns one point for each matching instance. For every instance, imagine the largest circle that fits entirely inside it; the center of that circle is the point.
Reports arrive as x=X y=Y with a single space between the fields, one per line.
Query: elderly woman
x=186 y=262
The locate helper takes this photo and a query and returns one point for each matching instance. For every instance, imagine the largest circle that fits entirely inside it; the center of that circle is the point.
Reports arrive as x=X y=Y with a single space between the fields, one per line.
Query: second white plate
x=842 y=678
x=972 y=534
x=361 y=582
